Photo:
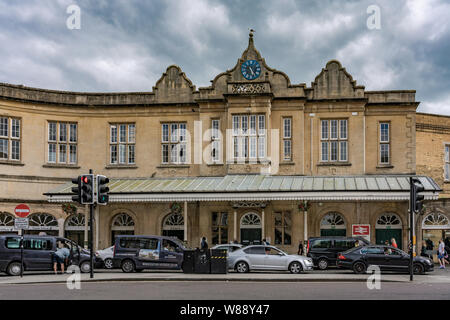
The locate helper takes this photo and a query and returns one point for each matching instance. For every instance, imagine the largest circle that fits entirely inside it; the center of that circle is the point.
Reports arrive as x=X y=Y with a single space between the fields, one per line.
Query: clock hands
x=253 y=73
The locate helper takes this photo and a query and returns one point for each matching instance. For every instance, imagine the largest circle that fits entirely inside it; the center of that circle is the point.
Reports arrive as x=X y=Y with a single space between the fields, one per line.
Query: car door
x=148 y=253
x=375 y=256
x=38 y=253
x=256 y=257
x=397 y=260
x=171 y=254
x=275 y=259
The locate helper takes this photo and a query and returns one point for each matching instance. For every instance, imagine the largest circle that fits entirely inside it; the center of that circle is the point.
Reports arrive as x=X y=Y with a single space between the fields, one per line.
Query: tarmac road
x=218 y=290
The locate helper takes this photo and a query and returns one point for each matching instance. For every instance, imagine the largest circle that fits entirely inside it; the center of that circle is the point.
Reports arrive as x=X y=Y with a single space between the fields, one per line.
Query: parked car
x=106 y=255
x=387 y=258
x=136 y=253
x=230 y=247
x=324 y=250
x=260 y=257
x=37 y=253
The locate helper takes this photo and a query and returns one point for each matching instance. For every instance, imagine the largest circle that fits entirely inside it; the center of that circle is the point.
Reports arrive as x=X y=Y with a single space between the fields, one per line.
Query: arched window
x=6 y=222
x=333 y=224
x=251 y=231
x=122 y=224
x=388 y=221
x=74 y=228
x=173 y=225
x=250 y=220
x=435 y=221
x=43 y=222
x=389 y=226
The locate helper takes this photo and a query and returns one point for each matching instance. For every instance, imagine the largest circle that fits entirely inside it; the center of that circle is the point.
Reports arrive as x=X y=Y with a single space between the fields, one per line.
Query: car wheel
x=359 y=267
x=322 y=264
x=14 y=269
x=418 y=268
x=85 y=266
x=128 y=266
x=295 y=267
x=242 y=267
x=108 y=263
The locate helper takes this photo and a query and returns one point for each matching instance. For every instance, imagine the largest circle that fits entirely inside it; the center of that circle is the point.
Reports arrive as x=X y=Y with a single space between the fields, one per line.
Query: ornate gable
x=335 y=82
x=174 y=86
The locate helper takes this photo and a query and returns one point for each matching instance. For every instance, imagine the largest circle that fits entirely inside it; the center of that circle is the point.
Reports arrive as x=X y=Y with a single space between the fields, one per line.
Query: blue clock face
x=251 y=69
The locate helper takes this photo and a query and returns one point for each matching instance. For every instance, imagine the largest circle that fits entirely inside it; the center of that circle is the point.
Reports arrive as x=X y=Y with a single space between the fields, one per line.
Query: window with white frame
x=10 y=138
x=173 y=143
x=287 y=139
x=249 y=137
x=122 y=143
x=216 y=140
x=334 y=144
x=447 y=162
x=384 y=143
x=62 y=142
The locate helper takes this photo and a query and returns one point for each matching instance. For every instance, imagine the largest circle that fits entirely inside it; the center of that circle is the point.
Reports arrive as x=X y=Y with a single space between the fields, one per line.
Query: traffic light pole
x=91 y=233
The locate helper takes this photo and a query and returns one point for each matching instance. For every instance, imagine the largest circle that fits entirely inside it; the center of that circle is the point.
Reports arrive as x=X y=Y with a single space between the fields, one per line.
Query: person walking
x=300 y=248
x=204 y=244
x=394 y=243
x=441 y=254
x=265 y=242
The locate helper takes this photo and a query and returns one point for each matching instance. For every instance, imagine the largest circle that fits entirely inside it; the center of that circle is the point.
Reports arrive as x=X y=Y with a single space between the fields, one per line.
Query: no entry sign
x=22 y=210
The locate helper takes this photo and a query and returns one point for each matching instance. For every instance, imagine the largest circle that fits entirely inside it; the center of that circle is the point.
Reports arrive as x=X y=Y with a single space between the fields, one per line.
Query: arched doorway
x=43 y=223
x=173 y=226
x=6 y=223
x=435 y=226
x=250 y=228
x=122 y=224
x=388 y=226
x=333 y=224
x=74 y=228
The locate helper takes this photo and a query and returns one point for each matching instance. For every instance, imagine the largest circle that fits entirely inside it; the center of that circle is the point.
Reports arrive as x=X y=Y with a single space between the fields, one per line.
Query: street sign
x=22 y=210
x=361 y=230
x=21 y=223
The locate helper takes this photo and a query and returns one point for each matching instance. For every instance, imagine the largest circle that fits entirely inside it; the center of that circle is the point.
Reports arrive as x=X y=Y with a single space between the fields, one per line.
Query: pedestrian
x=60 y=256
x=300 y=248
x=265 y=242
x=235 y=241
x=204 y=244
x=394 y=243
x=386 y=243
x=441 y=254
x=423 y=250
x=357 y=243
x=430 y=247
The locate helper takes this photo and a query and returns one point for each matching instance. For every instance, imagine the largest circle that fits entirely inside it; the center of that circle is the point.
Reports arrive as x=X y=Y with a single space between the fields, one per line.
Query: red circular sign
x=22 y=210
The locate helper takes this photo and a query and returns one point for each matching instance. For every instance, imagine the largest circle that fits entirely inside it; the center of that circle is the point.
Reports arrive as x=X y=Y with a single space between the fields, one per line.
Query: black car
x=324 y=250
x=37 y=253
x=387 y=258
x=136 y=253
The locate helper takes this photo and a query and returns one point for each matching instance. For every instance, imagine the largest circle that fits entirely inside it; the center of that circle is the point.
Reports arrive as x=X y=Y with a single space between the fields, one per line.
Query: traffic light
x=102 y=190
x=77 y=190
x=417 y=198
x=87 y=189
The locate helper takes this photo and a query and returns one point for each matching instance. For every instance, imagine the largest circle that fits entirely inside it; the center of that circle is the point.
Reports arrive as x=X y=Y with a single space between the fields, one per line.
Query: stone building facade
x=232 y=161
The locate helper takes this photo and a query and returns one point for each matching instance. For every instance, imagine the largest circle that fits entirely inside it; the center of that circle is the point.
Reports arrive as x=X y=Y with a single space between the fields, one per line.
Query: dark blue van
x=136 y=253
x=37 y=253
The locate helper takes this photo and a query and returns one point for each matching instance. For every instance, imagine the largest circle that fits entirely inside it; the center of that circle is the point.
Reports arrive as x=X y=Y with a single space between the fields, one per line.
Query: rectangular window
x=249 y=137
x=219 y=227
x=283 y=226
x=173 y=146
x=10 y=138
x=216 y=140
x=333 y=145
x=62 y=142
x=122 y=143
x=287 y=136
x=384 y=143
x=447 y=162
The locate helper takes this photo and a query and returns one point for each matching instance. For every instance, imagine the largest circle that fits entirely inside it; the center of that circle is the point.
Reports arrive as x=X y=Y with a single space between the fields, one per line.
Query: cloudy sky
x=125 y=45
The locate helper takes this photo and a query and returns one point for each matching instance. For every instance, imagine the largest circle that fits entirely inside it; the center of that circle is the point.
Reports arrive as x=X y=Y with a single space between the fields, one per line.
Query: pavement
x=441 y=276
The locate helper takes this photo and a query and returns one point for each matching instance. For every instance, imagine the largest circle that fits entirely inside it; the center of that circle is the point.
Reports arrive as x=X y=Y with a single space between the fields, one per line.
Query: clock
x=251 y=69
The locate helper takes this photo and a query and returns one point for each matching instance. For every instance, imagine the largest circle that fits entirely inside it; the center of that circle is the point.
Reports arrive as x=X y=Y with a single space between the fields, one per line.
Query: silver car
x=260 y=257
